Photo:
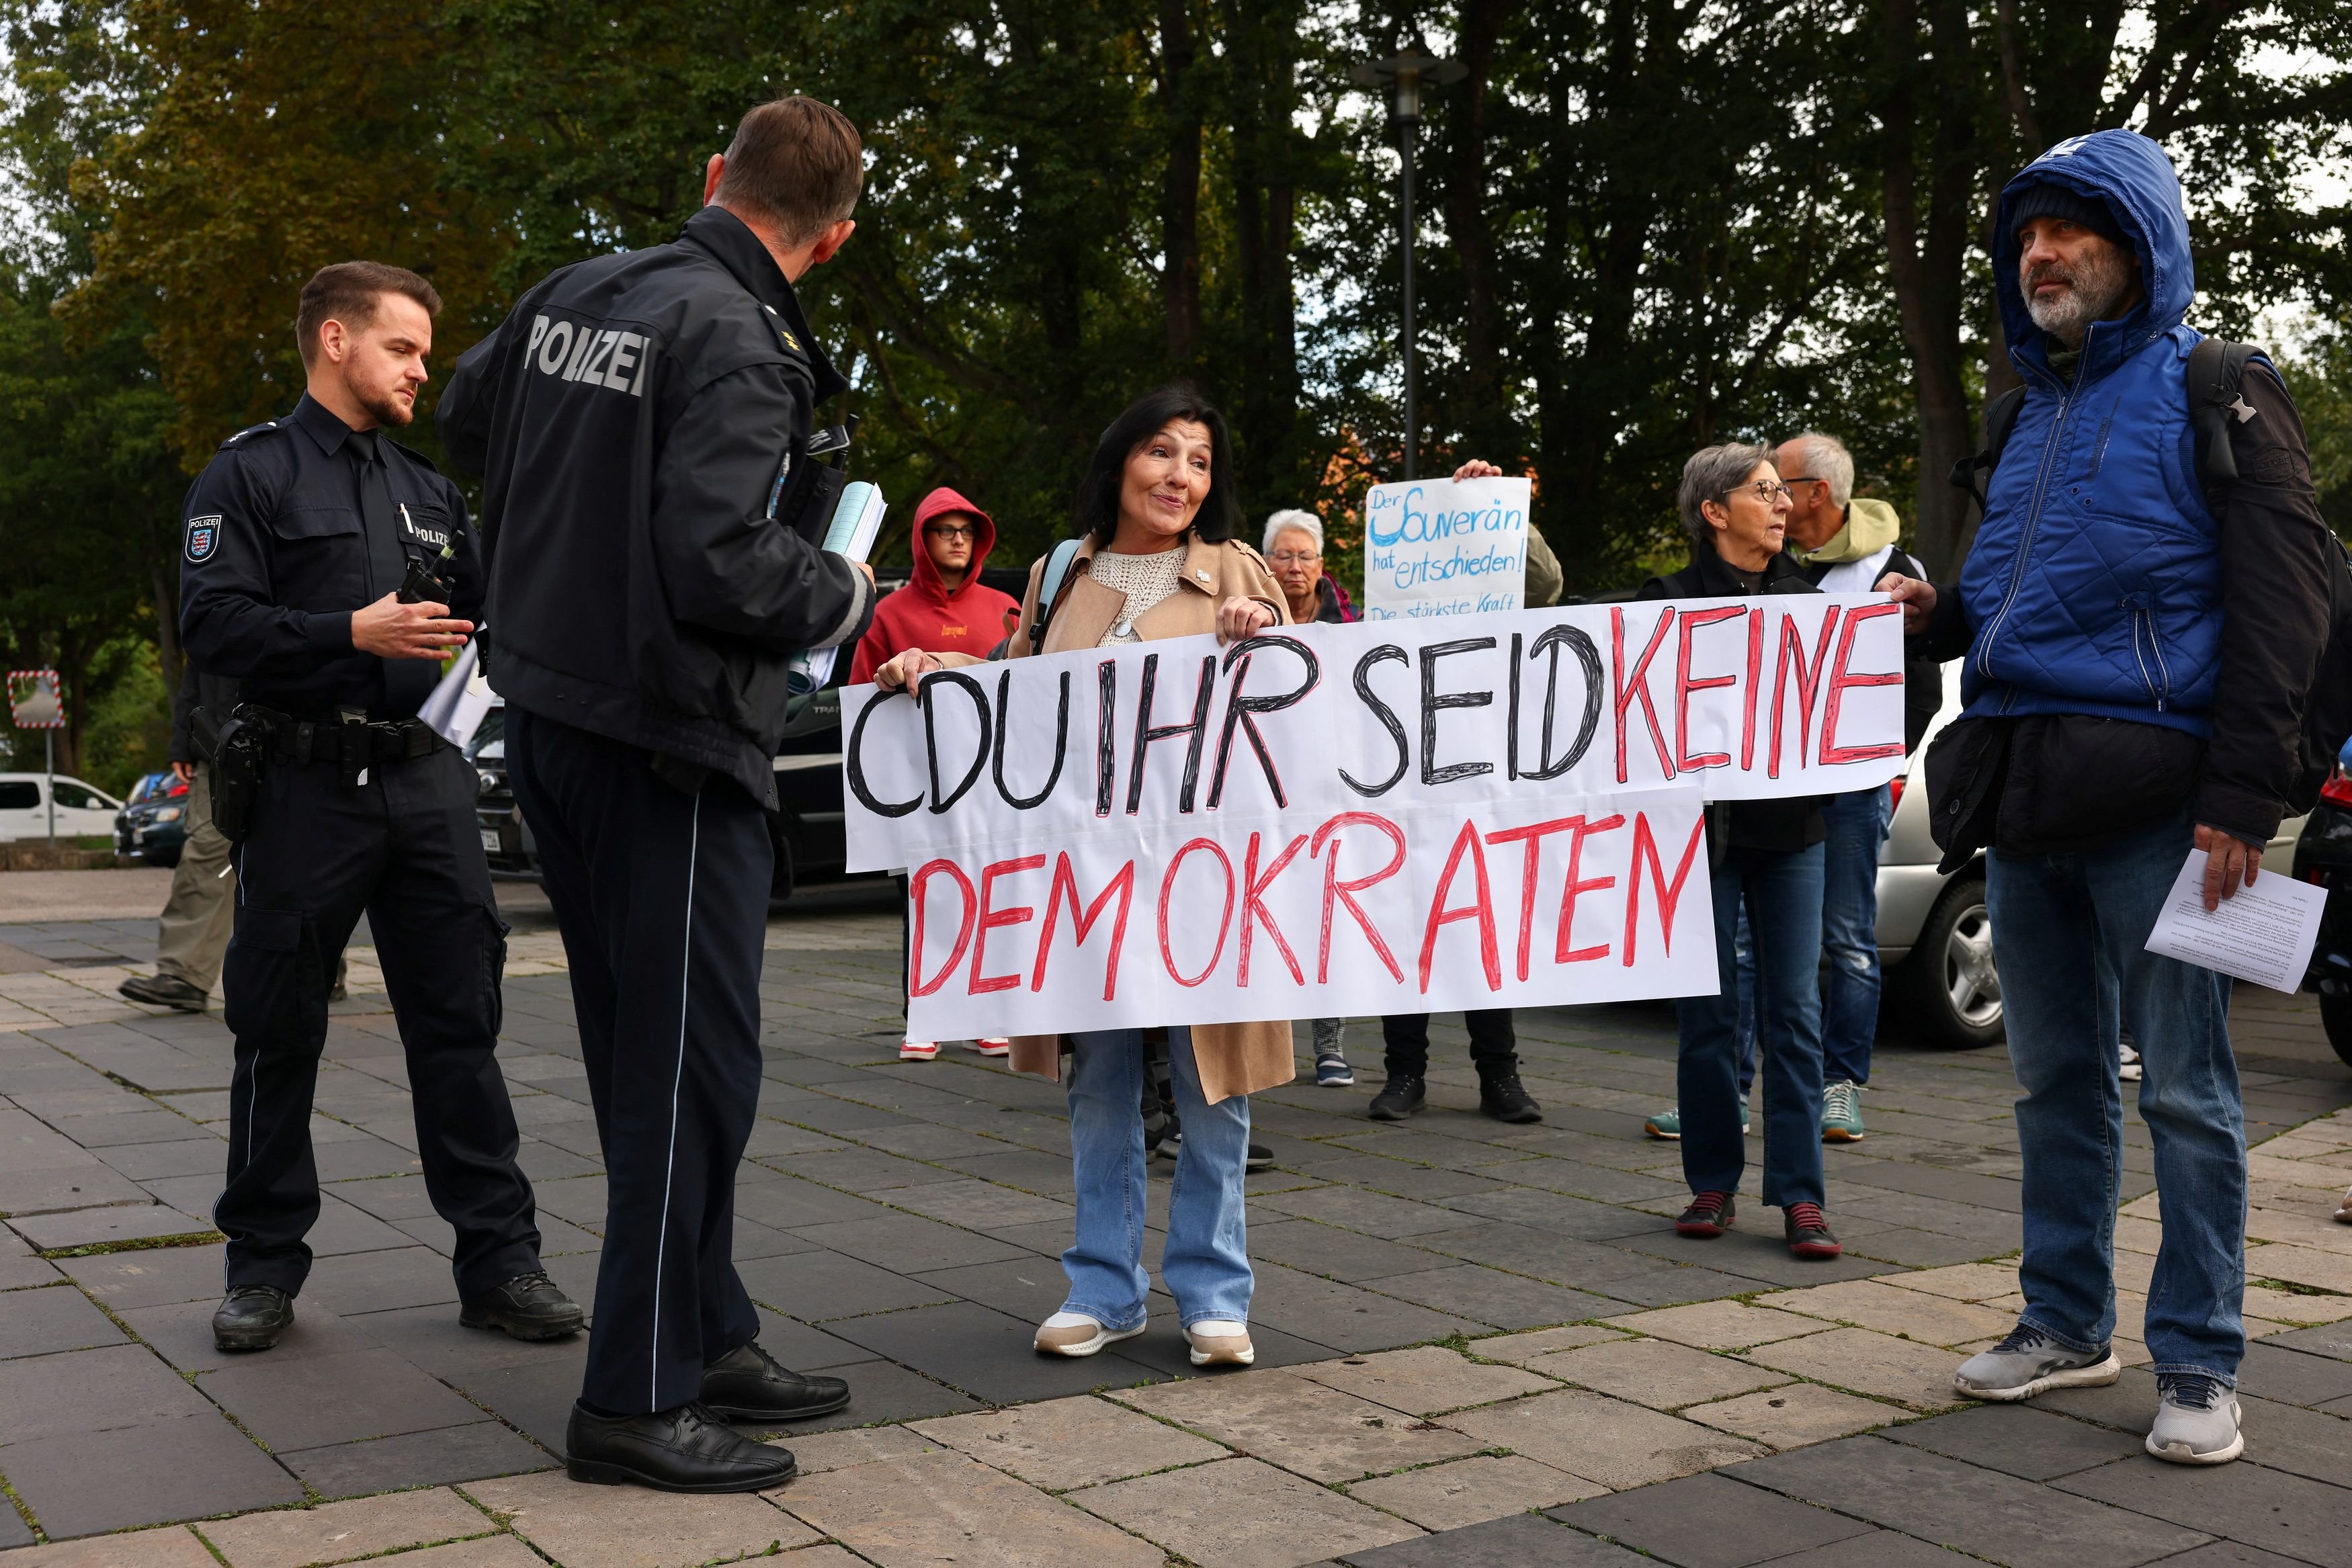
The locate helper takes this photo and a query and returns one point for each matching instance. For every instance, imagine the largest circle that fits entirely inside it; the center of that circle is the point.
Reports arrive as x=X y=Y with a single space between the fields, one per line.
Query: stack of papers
x=856 y=521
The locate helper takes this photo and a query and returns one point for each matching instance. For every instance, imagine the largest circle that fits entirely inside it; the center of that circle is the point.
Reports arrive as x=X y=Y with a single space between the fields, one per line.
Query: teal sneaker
x=1842 y=1113
x=1668 y=1125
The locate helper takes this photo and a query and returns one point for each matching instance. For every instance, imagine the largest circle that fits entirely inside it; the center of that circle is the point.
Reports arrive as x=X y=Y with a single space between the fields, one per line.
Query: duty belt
x=353 y=746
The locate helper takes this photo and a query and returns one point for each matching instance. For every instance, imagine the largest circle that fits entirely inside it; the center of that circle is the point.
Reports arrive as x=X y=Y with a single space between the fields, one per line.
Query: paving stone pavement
x=1480 y=1345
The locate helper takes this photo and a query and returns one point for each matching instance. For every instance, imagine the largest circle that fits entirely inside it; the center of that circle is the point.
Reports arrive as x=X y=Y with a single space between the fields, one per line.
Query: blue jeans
x=1744 y=952
x=1857 y=827
x=1782 y=896
x=2057 y=921
x=1207 y=1265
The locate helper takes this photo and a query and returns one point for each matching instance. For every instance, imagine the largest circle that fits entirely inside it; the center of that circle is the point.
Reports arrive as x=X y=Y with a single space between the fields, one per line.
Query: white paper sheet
x=2263 y=934
x=857 y=521
x=456 y=708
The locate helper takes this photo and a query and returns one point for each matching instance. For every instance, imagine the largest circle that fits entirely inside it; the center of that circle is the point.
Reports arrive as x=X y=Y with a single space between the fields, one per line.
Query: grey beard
x=2097 y=286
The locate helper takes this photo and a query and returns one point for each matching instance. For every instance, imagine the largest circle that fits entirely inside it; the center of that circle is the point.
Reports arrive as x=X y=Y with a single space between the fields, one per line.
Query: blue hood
x=2136 y=181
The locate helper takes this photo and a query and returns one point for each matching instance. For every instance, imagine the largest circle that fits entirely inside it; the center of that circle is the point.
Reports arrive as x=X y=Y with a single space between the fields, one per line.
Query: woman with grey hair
x=1294 y=549
x=1764 y=855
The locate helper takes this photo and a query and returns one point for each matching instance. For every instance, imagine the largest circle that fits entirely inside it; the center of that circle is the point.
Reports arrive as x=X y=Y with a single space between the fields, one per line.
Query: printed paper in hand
x=455 y=709
x=2262 y=933
x=857 y=519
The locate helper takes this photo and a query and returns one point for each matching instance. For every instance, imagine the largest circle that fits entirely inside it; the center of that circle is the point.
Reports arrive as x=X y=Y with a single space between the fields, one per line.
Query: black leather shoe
x=1505 y=1099
x=747 y=1384
x=687 y=1449
x=165 y=991
x=252 y=1317
x=529 y=1306
x=1401 y=1098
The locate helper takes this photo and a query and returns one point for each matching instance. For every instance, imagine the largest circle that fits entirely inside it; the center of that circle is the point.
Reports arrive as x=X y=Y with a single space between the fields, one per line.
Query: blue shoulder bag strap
x=1049 y=590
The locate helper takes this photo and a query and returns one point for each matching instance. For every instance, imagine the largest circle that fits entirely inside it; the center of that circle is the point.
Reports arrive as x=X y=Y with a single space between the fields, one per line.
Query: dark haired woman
x=1158 y=508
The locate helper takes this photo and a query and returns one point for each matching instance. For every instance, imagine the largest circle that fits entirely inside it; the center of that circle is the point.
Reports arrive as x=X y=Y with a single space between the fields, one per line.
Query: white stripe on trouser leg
x=669 y=1169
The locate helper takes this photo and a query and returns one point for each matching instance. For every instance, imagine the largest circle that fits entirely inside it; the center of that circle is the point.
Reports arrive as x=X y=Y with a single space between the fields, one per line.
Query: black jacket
x=2066 y=781
x=1923 y=677
x=215 y=694
x=1778 y=827
x=635 y=417
x=289 y=529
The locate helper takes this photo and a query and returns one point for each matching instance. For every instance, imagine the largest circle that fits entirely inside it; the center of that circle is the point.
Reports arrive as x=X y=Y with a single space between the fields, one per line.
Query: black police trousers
x=1494 y=1045
x=404 y=846
x=663 y=902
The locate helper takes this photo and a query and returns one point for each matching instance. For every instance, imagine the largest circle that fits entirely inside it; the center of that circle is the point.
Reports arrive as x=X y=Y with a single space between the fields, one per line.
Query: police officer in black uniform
x=654 y=504
x=298 y=540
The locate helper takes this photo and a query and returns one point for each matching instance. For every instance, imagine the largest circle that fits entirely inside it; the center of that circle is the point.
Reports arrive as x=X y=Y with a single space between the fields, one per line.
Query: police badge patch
x=204 y=536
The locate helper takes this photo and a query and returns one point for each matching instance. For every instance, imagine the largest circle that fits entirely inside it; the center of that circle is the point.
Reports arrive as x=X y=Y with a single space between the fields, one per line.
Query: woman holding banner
x=1157 y=510
x=1766 y=854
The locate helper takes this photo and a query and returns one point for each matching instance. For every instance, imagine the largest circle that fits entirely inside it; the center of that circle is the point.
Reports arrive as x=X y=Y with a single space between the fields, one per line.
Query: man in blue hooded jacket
x=2138 y=666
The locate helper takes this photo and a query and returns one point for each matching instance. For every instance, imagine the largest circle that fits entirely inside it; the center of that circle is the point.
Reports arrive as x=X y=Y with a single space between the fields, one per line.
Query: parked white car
x=82 y=810
x=1934 y=937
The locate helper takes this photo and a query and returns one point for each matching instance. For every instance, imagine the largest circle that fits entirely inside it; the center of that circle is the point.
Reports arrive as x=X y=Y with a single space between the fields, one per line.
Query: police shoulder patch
x=204 y=536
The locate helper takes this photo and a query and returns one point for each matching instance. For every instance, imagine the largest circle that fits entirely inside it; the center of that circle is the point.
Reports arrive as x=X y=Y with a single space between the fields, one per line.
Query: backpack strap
x=2000 y=419
x=1049 y=590
x=2217 y=370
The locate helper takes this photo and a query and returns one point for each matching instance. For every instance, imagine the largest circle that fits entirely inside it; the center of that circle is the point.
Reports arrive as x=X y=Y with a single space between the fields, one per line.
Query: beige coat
x=1234 y=1058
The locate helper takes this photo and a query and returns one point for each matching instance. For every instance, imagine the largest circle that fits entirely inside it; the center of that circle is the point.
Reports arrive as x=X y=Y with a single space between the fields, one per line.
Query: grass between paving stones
x=2294 y=1289
x=136 y=1244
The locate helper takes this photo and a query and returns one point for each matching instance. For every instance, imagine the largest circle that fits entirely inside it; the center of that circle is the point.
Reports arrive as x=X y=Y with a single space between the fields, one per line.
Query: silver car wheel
x=1970 y=977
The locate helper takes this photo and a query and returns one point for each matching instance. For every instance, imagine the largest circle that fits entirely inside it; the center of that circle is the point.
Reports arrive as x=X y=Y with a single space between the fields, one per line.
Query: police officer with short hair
x=302 y=537
x=652 y=501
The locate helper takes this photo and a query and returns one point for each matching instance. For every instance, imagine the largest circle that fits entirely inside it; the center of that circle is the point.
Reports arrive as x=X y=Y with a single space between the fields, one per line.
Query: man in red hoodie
x=946 y=609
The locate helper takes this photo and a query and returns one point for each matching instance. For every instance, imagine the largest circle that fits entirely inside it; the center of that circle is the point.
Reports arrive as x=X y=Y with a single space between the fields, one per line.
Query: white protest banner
x=1359 y=912
x=1146 y=777
x=1446 y=546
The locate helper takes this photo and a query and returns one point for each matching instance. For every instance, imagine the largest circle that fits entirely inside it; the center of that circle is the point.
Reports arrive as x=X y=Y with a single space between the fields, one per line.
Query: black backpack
x=2216 y=369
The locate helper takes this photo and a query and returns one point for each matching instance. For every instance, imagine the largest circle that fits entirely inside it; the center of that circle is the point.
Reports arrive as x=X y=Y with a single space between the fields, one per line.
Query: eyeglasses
x=953 y=531
x=1801 y=479
x=1766 y=489
x=1295 y=556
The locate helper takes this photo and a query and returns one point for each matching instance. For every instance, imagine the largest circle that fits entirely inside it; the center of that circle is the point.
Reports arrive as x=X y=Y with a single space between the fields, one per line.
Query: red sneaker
x=1710 y=1213
x=1809 y=1231
x=997 y=1047
x=919 y=1050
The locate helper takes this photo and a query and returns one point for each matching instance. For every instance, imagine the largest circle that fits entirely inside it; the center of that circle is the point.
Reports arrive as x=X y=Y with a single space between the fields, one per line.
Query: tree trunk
x=1180 y=200
x=1928 y=249
x=1483 y=420
x=167 y=625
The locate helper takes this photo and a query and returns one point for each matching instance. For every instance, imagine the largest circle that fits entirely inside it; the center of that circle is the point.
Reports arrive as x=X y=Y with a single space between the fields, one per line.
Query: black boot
x=747 y=1384
x=684 y=1448
x=1502 y=1097
x=1401 y=1098
x=165 y=991
x=529 y=1306
x=252 y=1317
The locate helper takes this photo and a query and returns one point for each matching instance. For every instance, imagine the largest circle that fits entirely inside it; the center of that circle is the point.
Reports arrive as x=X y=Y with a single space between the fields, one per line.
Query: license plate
x=489 y=841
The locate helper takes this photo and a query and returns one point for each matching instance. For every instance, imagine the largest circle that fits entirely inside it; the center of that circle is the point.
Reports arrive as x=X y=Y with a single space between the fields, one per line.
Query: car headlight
x=168 y=814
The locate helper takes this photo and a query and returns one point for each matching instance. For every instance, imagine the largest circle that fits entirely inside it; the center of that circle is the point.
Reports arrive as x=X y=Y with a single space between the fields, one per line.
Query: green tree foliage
x=1645 y=227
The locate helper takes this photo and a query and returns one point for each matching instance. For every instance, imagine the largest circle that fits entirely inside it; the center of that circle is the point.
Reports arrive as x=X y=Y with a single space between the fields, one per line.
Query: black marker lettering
x=1385 y=714
x=1005 y=723
x=1146 y=732
x=972 y=688
x=1554 y=639
x=854 y=766
x=1432 y=701
x=1244 y=711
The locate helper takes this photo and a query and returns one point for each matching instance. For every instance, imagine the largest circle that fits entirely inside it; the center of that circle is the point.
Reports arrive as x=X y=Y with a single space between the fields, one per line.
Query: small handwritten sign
x=1446 y=546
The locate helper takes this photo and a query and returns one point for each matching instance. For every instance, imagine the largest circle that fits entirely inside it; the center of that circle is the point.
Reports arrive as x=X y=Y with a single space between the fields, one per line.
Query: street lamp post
x=1405 y=74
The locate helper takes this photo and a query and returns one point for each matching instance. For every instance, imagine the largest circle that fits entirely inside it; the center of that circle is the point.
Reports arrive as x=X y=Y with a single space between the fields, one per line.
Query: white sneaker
x=1220 y=1342
x=992 y=1047
x=920 y=1050
x=1075 y=1334
x=2196 y=1420
x=2129 y=1070
x=2029 y=1362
